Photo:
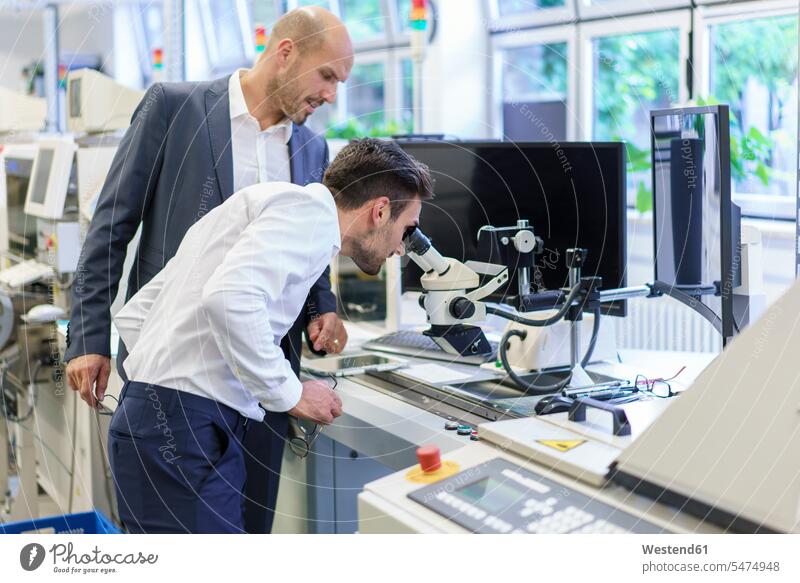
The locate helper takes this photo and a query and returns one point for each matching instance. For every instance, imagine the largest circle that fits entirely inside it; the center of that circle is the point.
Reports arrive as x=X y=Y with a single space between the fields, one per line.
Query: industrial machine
x=21 y=114
x=51 y=188
x=718 y=458
x=98 y=109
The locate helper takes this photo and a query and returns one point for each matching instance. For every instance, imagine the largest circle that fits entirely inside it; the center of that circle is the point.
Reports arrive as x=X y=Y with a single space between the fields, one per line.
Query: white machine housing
x=47 y=190
x=21 y=113
x=549 y=347
x=96 y=103
x=729 y=444
x=10 y=152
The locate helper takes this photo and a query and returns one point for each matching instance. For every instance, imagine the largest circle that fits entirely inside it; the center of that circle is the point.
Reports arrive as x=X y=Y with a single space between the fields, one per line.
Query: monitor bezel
x=52 y=207
x=14 y=151
x=725 y=322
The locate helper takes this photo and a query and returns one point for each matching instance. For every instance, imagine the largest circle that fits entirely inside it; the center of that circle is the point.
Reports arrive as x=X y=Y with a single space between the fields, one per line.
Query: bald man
x=190 y=146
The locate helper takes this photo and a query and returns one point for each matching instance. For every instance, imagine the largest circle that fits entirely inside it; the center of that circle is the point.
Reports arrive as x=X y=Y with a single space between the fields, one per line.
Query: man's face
x=386 y=239
x=311 y=79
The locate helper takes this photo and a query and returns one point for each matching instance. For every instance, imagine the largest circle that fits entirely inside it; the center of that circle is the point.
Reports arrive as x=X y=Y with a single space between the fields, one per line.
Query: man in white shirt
x=190 y=146
x=204 y=334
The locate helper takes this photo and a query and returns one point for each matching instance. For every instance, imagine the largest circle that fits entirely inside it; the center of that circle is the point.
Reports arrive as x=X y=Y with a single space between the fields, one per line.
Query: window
x=535 y=92
x=227 y=32
x=404 y=15
x=606 y=8
x=634 y=65
x=364 y=19
x=507 y=7
x=265 y=12
x=513 y=14
x=759 y=81
x=365 y=94
x=406 y=115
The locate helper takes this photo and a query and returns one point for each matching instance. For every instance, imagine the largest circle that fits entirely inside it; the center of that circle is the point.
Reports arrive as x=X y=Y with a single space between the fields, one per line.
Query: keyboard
x=25 y=273
x=410 y=343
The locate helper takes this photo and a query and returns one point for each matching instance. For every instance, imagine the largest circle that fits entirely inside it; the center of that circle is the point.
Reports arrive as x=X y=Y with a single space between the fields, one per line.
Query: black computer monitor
x=697 y=227
x=572 y=193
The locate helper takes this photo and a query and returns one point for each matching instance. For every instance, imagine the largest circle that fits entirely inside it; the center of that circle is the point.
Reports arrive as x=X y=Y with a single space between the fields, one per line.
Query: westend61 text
x=675 y=550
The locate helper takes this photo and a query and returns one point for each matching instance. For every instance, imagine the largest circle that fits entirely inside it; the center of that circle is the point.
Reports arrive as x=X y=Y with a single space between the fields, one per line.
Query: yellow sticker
x=449 y=468
x=561 y=445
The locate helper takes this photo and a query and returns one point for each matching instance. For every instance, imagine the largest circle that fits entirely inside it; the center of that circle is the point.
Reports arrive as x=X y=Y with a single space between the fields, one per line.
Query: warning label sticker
x=562 y=445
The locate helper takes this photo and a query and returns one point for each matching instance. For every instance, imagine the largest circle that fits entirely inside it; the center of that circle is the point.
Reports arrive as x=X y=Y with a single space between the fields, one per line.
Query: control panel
x=499 y=496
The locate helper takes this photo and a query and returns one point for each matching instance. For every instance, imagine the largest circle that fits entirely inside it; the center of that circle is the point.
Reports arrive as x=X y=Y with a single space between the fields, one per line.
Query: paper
x=435 y=374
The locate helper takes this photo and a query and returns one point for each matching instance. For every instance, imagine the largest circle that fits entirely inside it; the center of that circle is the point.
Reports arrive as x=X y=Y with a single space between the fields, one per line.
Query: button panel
x=499 y=496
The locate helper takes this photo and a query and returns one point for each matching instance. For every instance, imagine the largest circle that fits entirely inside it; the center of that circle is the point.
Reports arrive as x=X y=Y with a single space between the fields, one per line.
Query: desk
x=378 y=434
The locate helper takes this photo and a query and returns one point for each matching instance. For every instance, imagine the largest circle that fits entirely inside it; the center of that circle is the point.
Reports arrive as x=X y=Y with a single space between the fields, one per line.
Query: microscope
x=454 y=299
x=449 y=306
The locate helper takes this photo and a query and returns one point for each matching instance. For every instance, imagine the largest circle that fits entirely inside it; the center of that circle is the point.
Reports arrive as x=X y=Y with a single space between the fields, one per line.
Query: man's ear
x=284 y=51
x=381 y=210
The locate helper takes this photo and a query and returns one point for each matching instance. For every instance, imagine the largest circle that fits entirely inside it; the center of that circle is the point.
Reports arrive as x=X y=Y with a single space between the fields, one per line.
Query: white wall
x=456 y=72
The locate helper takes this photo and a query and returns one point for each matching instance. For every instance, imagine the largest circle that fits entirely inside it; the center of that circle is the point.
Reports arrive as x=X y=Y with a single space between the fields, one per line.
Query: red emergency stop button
x=429 y=458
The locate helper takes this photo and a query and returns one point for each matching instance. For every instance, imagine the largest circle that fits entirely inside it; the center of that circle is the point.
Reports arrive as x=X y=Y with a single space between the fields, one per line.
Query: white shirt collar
x=238 y=108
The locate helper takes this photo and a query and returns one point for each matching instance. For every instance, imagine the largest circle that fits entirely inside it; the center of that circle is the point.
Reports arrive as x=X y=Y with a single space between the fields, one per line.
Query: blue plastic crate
x=82 y=523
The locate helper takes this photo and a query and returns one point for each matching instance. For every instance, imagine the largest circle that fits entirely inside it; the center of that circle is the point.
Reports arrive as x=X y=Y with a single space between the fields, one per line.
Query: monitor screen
x=44 y=166
x=21 y=227
x=75 y=98
x=696 y=225
x=573 y=194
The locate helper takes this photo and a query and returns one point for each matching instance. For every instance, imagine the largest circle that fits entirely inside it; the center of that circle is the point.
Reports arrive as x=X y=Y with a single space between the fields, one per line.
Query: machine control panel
x=501 y=497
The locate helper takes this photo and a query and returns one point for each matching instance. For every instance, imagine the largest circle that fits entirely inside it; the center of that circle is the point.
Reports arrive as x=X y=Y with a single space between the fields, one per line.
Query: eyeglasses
x=302 y=440
x=659 y=387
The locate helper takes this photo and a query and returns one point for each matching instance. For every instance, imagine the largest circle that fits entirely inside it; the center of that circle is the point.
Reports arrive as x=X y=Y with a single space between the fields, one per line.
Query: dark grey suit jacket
x=173 y=165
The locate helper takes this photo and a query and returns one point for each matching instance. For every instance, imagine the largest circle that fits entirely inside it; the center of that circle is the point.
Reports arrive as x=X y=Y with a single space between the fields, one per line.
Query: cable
x=528 y=387
x=533 y=388
x=107 y=474
x=593 y=340
x=549 y=321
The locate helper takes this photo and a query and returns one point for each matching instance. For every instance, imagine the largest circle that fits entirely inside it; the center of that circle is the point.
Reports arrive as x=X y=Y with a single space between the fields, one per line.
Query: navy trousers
x=178 y=462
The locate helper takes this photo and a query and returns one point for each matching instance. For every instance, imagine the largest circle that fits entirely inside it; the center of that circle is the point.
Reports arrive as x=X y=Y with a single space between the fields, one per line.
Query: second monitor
x=573 y=194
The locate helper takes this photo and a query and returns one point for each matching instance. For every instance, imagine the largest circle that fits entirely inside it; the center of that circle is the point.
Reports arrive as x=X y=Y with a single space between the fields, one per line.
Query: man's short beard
x=279 y=89
x=366 y=261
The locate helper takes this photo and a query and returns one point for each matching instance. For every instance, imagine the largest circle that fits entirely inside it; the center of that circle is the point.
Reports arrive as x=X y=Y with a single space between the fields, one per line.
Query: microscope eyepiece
x=416 y=241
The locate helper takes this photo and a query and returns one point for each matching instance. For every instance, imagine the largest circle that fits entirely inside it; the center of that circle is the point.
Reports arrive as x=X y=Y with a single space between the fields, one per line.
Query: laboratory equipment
x=50 y=178
x=572 y=196
x=703 y=257
x=17 y=230
x=96 y=103
x=21 y=113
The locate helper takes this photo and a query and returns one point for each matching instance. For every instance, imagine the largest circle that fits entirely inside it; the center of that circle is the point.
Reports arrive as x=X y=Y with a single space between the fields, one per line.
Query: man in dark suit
x=189 y=147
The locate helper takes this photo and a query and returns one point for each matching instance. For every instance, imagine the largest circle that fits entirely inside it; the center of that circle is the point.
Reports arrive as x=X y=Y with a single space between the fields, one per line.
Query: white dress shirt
x=258 y=155
x=210 y=323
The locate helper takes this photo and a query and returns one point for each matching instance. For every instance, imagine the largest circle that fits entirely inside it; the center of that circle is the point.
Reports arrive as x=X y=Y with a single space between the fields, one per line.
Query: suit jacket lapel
x=218 y=120
x=297 y=158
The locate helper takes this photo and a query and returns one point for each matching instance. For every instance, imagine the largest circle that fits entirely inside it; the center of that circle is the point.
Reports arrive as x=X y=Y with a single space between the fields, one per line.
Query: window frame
x=216 y=64
x=588 y=32
x=529 y=38
x=368 y=58
x=391 y=36
x=532 y=18
x=770 y=206
x=626 y=8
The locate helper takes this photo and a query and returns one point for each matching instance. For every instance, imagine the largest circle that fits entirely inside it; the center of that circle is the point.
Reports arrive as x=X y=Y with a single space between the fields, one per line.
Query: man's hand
x=327 y=333
x=318 y=403
x=84 y=372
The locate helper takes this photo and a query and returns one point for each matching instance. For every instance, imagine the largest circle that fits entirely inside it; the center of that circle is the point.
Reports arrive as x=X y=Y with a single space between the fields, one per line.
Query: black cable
x=528 y=387
x=549 y=321
x=593 y=340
